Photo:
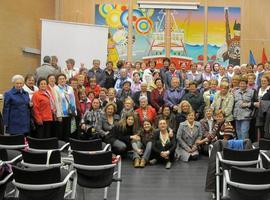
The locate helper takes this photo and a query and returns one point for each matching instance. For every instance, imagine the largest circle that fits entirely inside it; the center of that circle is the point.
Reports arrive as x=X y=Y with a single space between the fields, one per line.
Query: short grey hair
x=143 y=97
x=47 y=59
x=17 y=77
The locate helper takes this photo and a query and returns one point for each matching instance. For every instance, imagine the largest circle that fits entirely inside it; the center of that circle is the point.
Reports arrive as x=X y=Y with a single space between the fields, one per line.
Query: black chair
x=43 y=145
x=87 y=145
x=228 y=158
x=264 y=144
x=248 y=183
x=41 y=183
x=41 y=159
x=95 y=145
x=4 y=180
x=10 y=146
x=97 y=170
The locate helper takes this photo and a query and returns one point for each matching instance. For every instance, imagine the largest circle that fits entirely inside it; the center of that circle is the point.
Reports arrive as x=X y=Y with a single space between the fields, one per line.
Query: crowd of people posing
x=162 y=115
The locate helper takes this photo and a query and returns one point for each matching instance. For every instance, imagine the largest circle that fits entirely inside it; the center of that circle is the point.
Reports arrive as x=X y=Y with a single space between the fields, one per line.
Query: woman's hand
x=194 y=148
x=164 y=154
x=140 y=151
x=175 y=108
x=257 y=104
x=40 y=123
x=83 y=126
x=170 y=133
x=135 y=137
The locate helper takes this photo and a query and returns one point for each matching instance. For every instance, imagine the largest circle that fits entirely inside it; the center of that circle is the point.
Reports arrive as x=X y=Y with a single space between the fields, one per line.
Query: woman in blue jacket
x=16 y=110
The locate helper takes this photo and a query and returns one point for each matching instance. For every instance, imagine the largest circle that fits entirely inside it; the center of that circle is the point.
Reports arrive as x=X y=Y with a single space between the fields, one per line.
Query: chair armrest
x=6 y=179
x=64 y=146
x=13 y=160
x=93 y=167
x=107 y=147
x=2 y=146
x=265 y=155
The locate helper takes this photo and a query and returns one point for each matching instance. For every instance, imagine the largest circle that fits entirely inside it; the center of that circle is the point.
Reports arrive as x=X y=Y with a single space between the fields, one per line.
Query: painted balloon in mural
x=144 y=25
x=113 y=18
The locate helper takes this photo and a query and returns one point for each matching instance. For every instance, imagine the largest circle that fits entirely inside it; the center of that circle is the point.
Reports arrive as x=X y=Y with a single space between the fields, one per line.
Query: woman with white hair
x=16 y=109
x=145 y=111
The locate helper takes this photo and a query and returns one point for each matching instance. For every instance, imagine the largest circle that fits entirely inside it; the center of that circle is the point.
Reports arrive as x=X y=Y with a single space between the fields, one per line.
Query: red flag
x=264 y=57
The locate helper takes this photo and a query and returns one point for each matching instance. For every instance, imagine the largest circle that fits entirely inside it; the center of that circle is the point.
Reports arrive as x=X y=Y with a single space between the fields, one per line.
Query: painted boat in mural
x=178 y=52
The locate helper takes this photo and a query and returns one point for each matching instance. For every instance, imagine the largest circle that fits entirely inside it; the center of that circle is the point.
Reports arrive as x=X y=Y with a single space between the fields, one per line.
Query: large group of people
x=161 y=115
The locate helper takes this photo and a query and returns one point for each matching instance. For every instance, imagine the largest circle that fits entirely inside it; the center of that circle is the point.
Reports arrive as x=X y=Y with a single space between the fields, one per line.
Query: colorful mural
x=144 y=24
x=223 y=46
x=224 y=35
x=186 y=38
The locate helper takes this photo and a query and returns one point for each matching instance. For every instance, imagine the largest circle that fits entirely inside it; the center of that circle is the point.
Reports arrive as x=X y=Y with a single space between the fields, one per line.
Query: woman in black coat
x=122 y=134
x=183 y=109
x=163 y=145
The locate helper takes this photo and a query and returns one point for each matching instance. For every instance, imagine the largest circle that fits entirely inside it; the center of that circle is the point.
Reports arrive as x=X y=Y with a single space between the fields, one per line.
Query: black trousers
x=44 y=130
x=64 y=129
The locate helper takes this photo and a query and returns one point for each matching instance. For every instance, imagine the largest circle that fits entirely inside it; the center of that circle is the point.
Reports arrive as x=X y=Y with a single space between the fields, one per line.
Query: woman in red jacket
x=42 y=110
x=145 y=111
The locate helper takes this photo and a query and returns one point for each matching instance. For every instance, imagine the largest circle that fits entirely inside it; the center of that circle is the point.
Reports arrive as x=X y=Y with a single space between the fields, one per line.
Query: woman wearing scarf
x=68 y=108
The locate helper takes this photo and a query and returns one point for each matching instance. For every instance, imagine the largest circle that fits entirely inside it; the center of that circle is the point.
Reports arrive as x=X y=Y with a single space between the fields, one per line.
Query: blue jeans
x=242 y=128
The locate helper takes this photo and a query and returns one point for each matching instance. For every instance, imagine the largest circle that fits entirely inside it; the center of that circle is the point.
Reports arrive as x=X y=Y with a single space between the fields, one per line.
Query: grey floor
x=185 y=181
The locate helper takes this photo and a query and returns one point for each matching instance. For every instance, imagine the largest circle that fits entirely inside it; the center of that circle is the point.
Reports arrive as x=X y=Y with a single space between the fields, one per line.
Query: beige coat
x=226 y=105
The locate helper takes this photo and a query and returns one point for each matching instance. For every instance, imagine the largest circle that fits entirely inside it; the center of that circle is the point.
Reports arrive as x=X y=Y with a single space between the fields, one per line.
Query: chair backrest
x=12 y=140
x=85 y=145
x=264 y=144
x=251 y=176
x=47 y=143
x=94 y=178
x=41 y=158
x=240 y=155
x=39 y=176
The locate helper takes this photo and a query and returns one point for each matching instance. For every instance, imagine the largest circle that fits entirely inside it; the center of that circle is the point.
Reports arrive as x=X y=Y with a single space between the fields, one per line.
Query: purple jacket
x=173 y=97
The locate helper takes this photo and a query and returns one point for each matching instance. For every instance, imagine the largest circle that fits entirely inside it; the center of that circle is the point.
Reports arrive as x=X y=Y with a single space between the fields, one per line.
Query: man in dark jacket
x=195 y=99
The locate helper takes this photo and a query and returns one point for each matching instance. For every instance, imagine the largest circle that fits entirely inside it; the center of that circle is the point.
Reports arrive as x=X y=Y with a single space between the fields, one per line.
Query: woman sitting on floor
x=122 y=134
x=163 y=145
x=188 y=135
x=142 y=148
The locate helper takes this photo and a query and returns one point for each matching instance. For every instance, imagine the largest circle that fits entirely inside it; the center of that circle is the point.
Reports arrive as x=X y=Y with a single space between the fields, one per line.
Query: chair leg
x=16 y=193
x=105 y=193
x=74 y=187
x=119 y=177
x=217 y=179
x=83 y=191
x=224 y=187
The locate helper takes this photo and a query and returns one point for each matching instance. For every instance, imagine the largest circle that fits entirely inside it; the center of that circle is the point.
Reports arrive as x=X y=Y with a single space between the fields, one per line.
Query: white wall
x=82 y=42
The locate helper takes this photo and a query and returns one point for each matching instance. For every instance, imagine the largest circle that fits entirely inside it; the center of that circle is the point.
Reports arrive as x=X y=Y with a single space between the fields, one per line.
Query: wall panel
x=20 y=27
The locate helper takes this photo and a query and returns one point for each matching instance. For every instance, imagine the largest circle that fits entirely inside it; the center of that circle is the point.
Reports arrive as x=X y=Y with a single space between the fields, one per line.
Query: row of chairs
x=44 y=168
x=245 y=173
